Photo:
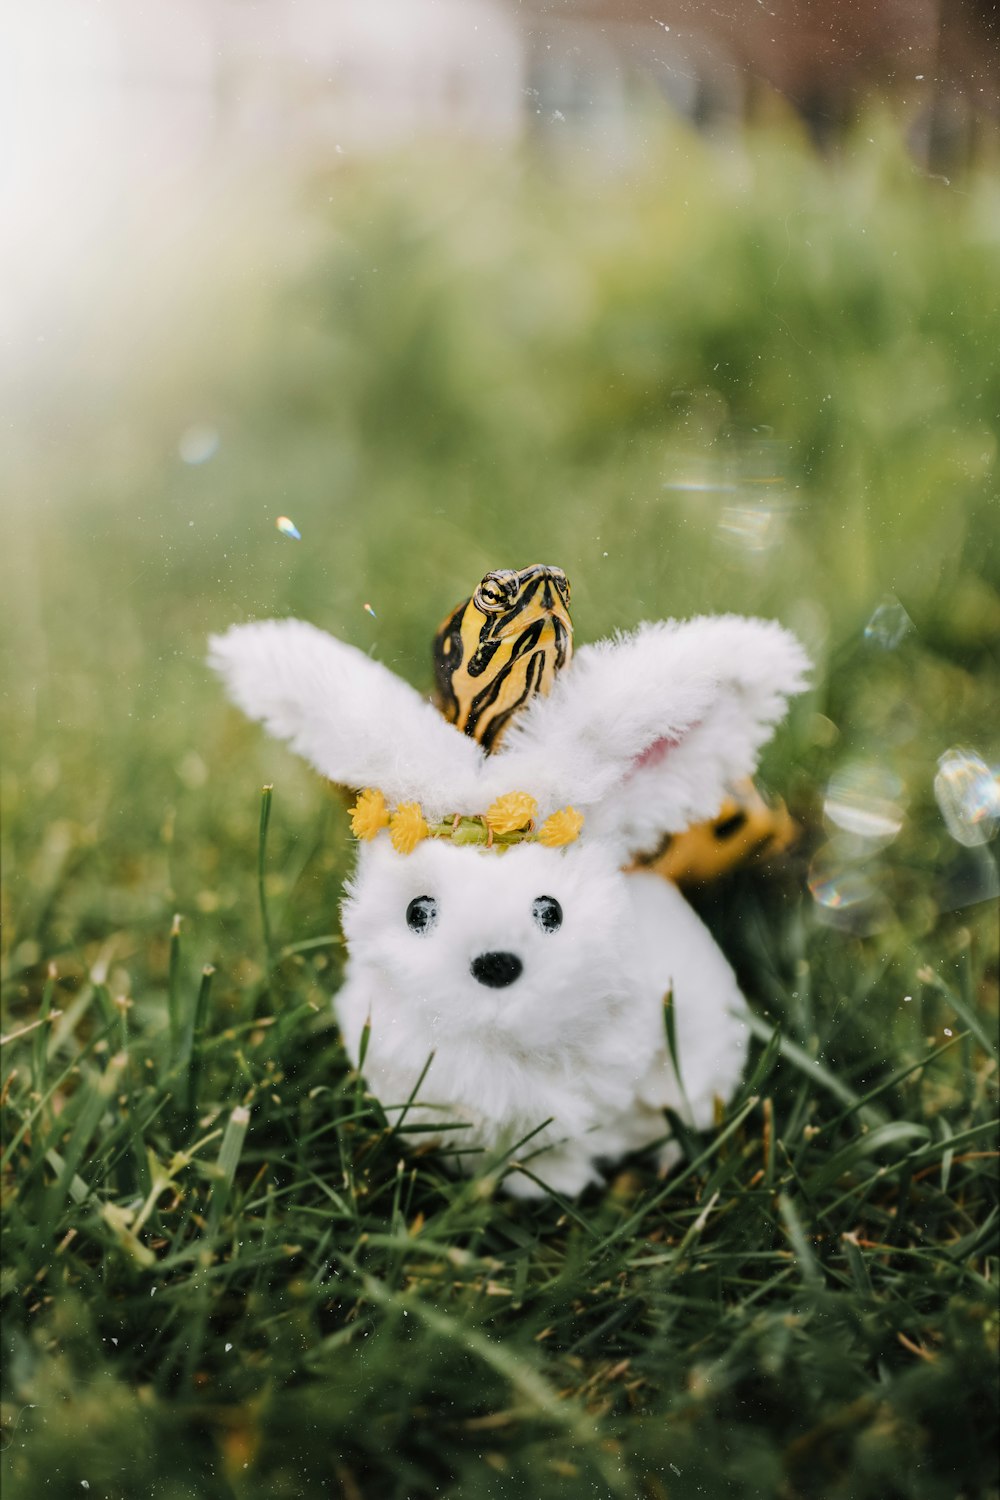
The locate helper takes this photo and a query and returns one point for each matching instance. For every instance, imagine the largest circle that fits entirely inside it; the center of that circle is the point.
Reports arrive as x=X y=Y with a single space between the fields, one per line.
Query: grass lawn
x=721 y=379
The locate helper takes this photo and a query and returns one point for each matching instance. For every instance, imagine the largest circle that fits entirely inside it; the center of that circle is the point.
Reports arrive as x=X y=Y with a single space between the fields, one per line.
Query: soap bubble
x=968 y=794
x=845 y=892
x=700 y=483
x=699 y=474
x=972 y=877
x=864 y=799
x=835 y=883
x=198 y=444
x=889 y=624
x=288 y=528
x=752 y=527
x=755 y=521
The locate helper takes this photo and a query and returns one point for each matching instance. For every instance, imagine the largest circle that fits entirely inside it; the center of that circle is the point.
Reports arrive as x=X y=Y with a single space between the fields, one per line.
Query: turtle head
x=498 y=649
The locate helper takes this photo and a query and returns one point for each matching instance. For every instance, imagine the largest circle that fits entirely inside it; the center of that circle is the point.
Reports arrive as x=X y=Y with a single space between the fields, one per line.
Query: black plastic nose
x=497 y=969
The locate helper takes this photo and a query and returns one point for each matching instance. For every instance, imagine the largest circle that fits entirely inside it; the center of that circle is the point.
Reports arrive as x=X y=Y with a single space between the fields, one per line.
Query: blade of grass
x=265 y=921
x=799 y=1057
x=630 y=1225
x=891 y=1082
x=858 y=1265
x=309 y=945
x=98 y=1092
x=229 y=1159
x=891 y=1134
x=963 y=1007
x=173 y=983
x=807 y=1262
x=34 y=1115
x=192 y=1054
x=68 y=1020
x=415 y=1089
x=670 y=1031
x=38 y=1057
x=683 y=1134
x=984 y=1234
x=522 y=1376
x=359 y=1085
x=764 y=1065
x=557 y=1198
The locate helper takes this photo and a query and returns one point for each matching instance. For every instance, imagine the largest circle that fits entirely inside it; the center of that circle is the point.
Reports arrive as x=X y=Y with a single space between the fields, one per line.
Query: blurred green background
x=716 y=379
x=763 y=384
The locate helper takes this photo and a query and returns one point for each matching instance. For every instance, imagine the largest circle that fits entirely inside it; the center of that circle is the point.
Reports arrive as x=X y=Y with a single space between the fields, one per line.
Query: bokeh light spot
x=968 y=794
x=198 y=444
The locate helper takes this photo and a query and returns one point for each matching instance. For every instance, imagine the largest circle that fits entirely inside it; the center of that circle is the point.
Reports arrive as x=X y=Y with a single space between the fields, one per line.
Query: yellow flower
x=369 y=814
x=511 y=812
x=407 y=827
x=561 y=828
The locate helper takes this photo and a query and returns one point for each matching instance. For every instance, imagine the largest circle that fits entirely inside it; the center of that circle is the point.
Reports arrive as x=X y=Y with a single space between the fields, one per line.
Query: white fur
x=348 y=716
x=707 y=690
x=577 y=1040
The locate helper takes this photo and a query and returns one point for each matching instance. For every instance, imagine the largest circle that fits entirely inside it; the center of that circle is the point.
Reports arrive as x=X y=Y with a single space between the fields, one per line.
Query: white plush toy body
x=576 y=1039
x=528 y=977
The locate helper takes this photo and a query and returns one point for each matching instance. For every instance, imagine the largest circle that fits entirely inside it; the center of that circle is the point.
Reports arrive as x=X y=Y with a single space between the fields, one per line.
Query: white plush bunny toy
x=492 y=924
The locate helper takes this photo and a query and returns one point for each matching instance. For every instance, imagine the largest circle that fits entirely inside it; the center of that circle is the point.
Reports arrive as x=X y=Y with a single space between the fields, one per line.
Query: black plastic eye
x=547 y=913
x=421 y=914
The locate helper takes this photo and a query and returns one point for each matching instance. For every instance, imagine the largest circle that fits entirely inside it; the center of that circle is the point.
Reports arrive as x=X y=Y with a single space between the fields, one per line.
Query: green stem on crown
x=475 y=831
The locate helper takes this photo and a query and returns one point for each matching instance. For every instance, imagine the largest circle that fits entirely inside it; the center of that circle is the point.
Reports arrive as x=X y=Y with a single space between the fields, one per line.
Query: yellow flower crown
x=510 y=820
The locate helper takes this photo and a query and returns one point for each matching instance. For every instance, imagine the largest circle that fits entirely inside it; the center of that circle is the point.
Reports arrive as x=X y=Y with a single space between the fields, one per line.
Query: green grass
x=752 y=382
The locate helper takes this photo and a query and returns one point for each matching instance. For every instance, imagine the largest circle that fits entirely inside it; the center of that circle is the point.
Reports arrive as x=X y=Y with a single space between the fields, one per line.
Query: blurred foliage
x=722 y=378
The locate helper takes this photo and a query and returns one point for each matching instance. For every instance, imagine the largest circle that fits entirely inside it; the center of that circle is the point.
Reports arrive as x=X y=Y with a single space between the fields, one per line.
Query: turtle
x=506 y=643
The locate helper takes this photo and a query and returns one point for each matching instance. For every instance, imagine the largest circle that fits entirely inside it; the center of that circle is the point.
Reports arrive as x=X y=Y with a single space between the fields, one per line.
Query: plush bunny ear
x=350 y=717
x=644 y=733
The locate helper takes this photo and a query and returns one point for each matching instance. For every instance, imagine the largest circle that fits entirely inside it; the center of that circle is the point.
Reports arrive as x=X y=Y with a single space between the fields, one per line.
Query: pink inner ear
x=654 y=753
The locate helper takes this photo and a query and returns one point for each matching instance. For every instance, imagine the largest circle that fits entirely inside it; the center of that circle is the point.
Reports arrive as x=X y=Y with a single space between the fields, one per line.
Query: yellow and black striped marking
x=495 y=651
x=745 y=829
x=498 y=649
